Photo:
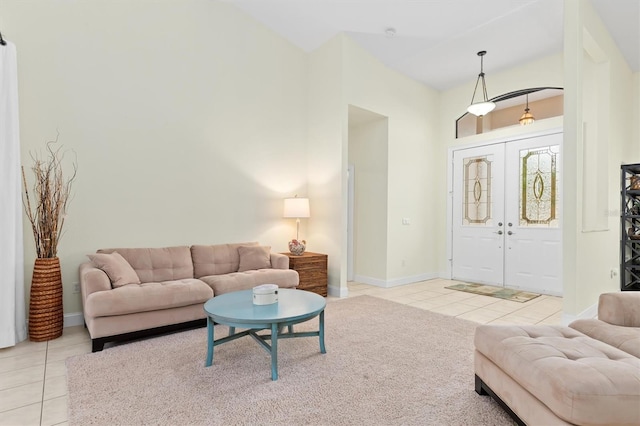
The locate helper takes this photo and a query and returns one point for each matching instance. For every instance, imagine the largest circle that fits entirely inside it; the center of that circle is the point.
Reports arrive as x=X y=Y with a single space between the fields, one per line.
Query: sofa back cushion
x=216 y=259
x=254 y=257
x=158 y=264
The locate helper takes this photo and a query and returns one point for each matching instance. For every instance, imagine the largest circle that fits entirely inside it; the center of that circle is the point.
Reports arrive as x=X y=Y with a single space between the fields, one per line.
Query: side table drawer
x=318 y=263
x=314 y=283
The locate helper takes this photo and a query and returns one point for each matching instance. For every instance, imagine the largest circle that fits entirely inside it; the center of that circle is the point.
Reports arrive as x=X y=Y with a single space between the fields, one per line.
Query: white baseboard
x=590 y=312
x=337 y=291
x=73 y=319
x=395 y=282
x=70 y=320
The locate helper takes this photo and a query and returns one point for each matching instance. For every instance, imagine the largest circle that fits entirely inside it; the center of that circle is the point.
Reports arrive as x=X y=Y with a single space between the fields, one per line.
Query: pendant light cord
x=481 y=76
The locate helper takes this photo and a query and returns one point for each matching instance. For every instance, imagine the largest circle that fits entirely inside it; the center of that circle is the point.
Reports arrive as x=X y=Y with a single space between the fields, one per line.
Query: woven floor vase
x=46 y=317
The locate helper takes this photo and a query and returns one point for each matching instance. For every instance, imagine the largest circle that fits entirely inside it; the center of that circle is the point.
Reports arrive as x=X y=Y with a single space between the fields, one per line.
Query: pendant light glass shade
x=481 y=108
x=527 y=117
x=485 y=106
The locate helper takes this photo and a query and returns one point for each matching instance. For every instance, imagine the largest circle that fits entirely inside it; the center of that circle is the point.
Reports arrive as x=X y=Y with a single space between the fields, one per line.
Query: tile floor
x=33 y=388
x=433 y=296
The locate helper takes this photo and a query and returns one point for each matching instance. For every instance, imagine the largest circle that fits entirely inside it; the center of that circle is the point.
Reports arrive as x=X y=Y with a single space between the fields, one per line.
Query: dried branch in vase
x=51 y=195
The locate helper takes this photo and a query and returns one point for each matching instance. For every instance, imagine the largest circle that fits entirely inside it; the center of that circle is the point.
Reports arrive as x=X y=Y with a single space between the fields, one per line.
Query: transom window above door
x=539 y=102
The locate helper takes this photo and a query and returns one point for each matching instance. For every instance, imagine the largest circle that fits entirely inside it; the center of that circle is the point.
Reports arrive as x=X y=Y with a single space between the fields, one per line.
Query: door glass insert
x=539 y=183
x=477 y=191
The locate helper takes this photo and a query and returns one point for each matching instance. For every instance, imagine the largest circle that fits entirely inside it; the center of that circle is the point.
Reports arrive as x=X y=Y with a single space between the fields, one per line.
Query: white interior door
x=478 y=231
x=533 y=249
x=506 y=214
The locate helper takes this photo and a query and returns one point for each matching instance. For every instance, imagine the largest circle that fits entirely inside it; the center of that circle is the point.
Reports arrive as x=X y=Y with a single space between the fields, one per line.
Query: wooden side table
x=312 y=269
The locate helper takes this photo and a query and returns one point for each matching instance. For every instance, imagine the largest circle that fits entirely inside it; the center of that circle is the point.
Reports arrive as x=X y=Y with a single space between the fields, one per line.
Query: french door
x=506 y=214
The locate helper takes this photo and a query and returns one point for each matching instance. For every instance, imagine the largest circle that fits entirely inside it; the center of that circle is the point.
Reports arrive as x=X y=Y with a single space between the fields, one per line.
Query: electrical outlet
x=76 y=288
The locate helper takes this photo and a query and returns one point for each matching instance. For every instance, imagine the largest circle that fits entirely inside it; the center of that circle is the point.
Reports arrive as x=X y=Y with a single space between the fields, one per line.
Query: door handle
x=499 y=232
x=510 y=233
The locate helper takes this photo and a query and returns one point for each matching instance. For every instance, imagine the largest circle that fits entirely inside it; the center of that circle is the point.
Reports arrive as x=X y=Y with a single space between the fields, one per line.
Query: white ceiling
x=436 y=41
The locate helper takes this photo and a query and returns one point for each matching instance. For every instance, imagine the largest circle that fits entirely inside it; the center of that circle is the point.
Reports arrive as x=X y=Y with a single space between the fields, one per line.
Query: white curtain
x=13 y=327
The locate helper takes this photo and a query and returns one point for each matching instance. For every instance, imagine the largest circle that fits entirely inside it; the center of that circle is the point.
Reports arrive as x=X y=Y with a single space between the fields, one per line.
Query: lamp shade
x=527 y=118
x=296 y=207
x=481 y=108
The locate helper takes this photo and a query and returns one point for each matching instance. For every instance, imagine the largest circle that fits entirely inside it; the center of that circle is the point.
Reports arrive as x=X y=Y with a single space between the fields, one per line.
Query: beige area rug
x=386 y=364
x=499 y=292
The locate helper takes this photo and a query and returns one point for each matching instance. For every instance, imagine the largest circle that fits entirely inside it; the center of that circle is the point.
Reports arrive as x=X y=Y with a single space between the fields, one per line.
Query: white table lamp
x=296 y=208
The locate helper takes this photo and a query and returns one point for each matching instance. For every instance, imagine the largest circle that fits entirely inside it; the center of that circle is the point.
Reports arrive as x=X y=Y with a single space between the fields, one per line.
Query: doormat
x=499 y=292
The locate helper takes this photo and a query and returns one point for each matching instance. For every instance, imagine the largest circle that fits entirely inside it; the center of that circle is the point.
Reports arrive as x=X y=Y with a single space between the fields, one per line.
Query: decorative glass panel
x=538 y=195
x=477 y=191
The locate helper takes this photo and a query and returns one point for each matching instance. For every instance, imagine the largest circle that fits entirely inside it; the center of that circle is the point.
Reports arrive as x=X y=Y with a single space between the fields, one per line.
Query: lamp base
x=297 y=247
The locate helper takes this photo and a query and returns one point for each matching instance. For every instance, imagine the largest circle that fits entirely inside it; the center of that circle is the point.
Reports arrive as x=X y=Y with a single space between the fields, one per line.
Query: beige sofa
x=129 y=293
x=584 y=374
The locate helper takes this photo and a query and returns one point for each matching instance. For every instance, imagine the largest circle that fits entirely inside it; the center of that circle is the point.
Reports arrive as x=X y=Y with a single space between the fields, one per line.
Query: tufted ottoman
x=556 y=375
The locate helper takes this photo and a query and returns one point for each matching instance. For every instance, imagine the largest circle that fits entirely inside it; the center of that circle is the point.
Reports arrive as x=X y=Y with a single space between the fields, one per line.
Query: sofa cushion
x=580 y=379
x=623 y=338
x=116 y=267
x=236 y=281
x=254 y=257
x=216 y=259
x=158 y=264
x=152 y=296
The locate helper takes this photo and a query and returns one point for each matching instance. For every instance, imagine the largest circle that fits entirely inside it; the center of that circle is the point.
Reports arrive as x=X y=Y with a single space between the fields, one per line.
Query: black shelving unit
x=630 y=228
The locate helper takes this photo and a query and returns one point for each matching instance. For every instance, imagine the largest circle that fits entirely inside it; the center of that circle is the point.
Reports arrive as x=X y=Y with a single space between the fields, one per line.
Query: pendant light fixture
x=527 y=117
x=485 y=106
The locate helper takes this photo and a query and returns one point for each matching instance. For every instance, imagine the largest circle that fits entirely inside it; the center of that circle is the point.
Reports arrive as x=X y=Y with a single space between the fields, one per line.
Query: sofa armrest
x=92 y=280
x=279 y=261
x=620 y=308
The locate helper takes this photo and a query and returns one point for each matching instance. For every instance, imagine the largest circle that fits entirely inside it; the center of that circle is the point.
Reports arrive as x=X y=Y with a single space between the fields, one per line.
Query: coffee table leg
x=321 y=333
x=274 y=351
x=209 y=342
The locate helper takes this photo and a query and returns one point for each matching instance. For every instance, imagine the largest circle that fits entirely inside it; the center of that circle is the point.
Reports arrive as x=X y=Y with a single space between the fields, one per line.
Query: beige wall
x=343 y=74
x=327 y=160
x=634 y=143
x=189 y=121
x=590 y=256
x=368 y=148
x=411 y=109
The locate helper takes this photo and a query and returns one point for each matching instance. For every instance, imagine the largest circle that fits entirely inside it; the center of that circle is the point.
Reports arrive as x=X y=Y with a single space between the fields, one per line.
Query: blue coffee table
x=236 y=309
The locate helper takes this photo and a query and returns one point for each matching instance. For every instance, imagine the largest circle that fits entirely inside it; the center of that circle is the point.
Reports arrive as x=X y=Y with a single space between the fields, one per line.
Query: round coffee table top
x=238 y=307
